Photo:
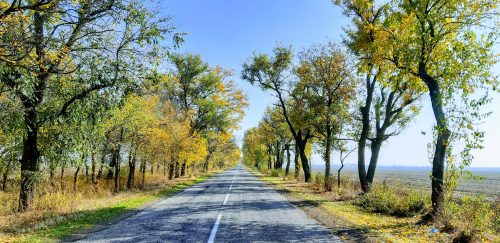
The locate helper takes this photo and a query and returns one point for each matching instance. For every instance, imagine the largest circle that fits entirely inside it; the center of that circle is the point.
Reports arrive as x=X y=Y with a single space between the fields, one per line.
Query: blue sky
x=227 y=32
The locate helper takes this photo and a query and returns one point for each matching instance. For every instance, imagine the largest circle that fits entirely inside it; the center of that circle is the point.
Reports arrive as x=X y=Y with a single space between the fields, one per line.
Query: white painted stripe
x=234 y=177
x=214 y=229
x=216 y=225
x=230 y=187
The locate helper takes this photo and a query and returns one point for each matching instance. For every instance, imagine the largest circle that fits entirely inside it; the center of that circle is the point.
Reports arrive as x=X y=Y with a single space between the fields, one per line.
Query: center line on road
x=216 y=225
x=230 y=187
x=225 y=199
x=214 y=229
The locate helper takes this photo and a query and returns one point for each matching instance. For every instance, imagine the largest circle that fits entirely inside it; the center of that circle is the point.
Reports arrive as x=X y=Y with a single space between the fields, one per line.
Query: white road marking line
x=230 y=187
x=214 y=229
x=216 y=225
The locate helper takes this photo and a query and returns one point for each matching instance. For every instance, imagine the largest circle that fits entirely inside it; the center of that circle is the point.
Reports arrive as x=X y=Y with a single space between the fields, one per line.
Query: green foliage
x=443 y=47
x=84 y=94
x=276 y=172
x=210 y=103
x=254 y=151
x=204 y=95
x=471 y=216
x=400 y=203
x=496 y=218
x=318 y=180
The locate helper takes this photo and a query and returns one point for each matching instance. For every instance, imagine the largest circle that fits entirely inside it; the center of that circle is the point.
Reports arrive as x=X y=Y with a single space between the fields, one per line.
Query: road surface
x=233 y=206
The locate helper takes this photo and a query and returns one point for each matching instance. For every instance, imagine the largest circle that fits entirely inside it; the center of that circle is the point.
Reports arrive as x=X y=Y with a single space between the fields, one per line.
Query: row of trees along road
x=395 y=53
x=80 y=87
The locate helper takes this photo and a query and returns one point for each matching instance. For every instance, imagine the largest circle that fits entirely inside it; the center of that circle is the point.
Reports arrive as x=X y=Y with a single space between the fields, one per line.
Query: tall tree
x=273 y=118
x=76 y=47
x=445 y=46
x=211 y=103
x=273 y=74
x=254 y=150
x=326 y=74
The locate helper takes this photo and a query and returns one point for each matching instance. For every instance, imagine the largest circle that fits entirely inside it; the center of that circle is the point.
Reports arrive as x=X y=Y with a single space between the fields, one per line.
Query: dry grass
x=54 y=205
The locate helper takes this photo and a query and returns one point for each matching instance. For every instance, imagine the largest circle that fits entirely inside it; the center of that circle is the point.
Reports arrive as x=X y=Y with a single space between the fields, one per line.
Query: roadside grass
x=56 y=226
x=340 y=210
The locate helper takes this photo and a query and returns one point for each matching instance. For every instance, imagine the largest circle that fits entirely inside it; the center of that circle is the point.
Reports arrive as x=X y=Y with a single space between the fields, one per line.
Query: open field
x=419 y=178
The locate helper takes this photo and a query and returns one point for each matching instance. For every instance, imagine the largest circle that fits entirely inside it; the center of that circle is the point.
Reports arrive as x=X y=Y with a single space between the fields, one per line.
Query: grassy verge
x=351 y=222
x=82 y=221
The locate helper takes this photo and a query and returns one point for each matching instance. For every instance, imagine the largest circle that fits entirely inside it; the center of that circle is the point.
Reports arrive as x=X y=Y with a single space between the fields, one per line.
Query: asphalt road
x=233 y=206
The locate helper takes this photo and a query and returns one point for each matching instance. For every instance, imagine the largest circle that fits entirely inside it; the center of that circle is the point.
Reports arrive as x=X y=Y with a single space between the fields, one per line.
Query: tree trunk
x=5 y=176
x=164 y=168
x=278 y=156
x=269 y=157
x=365 y=129
x=442 y=141
x=338 y=173
x=112 y=163
x=143 y=172
x=304 y=160
x=93 y=176
x=183 y=168
x=131 y=169
x=61 y=180
x=99 y=173
x=31 y=155
x=75 y=178
x=375 y=148
x=296 y=161
x=205 y=164
x=29 y=162
x=171 y=170
x=361 y=156
x=287 y=148
x=87 y=170
x=52 y=175
x=117 y=159
x=177 y=169
x=103 y=159
x=327 y=157
x=117 y=175
x=282 y=158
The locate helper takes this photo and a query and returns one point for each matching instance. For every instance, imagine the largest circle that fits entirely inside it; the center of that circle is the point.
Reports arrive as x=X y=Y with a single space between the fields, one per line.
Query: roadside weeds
x=76 y=225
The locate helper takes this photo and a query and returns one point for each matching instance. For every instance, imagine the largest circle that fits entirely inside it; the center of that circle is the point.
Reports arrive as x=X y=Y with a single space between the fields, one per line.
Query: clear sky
x=227 y=32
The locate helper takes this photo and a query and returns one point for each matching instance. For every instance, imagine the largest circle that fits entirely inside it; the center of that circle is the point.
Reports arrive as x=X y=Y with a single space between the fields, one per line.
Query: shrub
x=348 y=189
x=471 y=217
x=400 y=203
x=476 y=215
x=496 y=217
x=275 y=172
x=317 y=181
x=330 y=183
